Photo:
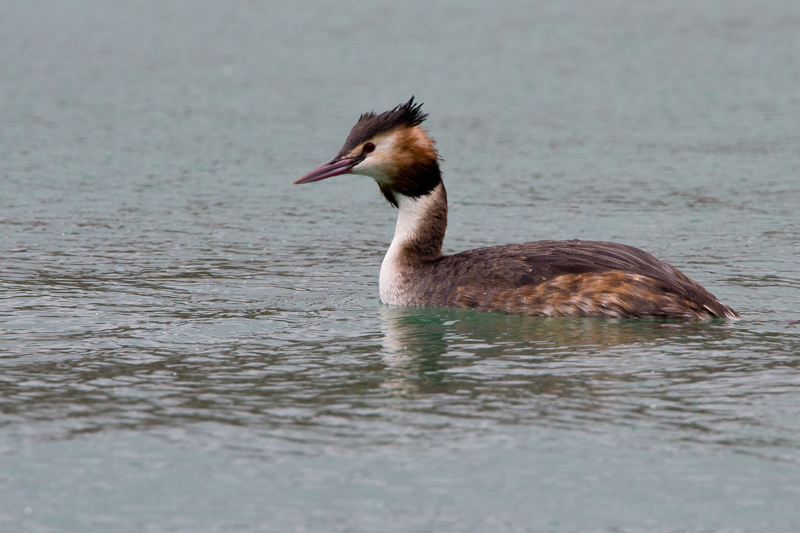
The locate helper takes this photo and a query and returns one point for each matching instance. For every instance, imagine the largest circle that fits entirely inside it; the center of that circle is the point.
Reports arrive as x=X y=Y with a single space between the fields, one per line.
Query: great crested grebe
x=552 y=278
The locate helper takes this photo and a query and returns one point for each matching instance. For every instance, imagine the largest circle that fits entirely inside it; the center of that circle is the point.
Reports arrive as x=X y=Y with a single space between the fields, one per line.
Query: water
x=189 y=343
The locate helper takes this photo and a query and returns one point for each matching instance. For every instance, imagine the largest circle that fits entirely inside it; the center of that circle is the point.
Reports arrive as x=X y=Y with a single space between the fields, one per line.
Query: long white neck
x=418 y=238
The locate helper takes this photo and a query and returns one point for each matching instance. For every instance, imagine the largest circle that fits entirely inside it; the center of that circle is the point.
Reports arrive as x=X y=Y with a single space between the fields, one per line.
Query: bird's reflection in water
x=421 y=343
x=414 y=338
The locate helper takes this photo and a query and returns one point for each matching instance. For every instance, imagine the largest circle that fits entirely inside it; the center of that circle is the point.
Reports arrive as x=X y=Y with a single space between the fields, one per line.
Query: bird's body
x=551 y=278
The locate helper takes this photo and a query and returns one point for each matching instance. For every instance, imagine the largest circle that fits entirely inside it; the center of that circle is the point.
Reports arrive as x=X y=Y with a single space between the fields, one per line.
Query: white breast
x=397 y=276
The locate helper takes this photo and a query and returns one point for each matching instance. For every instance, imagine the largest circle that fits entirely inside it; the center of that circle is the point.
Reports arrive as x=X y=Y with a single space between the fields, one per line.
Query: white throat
x=413 y=222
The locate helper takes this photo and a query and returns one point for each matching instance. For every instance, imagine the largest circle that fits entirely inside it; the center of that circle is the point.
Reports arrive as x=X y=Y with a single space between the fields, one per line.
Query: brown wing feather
x=568 y=278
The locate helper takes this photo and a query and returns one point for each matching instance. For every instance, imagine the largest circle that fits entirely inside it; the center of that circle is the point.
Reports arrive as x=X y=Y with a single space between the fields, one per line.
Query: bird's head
x=390 y=148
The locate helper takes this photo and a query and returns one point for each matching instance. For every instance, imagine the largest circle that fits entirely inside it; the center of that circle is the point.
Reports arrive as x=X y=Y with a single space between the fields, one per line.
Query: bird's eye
x=368 y=148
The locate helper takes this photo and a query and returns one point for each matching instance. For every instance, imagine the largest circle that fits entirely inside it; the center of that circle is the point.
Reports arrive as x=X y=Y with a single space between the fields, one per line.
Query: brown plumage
x=551 y=278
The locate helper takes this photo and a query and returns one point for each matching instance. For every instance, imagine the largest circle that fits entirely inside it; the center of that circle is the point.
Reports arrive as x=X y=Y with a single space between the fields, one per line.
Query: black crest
x=369 y=124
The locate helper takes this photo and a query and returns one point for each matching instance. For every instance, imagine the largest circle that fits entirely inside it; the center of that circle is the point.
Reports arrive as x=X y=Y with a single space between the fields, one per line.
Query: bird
x=555 y=278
